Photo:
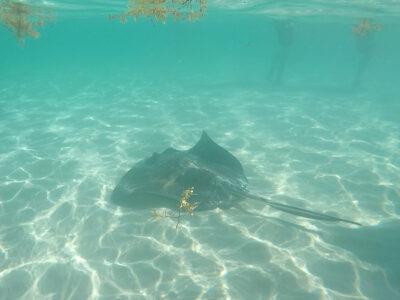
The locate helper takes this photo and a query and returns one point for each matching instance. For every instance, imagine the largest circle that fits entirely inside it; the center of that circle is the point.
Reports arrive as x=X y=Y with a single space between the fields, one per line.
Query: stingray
x=215 y=174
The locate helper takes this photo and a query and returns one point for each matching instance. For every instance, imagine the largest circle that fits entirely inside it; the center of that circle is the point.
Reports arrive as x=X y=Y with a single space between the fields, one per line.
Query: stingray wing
x=208 y=151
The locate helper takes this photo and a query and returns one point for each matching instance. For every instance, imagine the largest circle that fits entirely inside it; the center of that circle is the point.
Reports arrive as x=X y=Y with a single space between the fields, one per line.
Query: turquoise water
x=314 y=121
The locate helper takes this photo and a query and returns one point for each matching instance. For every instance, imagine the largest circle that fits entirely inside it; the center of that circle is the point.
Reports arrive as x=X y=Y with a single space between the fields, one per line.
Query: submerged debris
x=183 y=204
x=364 y=27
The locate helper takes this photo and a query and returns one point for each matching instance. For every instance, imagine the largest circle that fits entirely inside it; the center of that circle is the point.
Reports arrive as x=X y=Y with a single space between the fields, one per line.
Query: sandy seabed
x=62 y=153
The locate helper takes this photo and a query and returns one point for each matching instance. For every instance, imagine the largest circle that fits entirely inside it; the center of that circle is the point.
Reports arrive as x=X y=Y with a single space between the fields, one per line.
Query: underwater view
x=199 y=149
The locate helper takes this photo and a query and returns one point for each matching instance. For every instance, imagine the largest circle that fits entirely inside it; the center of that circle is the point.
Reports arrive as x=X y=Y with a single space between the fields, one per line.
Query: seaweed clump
x=22 y=18
x=364 y=27
x=184 y=205
x=159 y=10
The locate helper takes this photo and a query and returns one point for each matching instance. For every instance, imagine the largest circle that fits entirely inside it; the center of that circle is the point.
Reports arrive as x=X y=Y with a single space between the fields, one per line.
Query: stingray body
x=216 y=175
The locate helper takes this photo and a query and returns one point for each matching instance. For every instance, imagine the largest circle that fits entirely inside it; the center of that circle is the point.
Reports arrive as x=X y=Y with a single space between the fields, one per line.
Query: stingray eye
x=154 y=157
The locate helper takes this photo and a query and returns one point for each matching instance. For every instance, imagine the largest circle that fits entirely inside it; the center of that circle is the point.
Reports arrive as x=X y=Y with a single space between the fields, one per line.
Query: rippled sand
x=61 y=155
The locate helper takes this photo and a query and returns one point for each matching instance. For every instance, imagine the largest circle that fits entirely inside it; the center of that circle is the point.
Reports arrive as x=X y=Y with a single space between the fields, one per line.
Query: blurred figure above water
x=363 y=33
x=284 y=31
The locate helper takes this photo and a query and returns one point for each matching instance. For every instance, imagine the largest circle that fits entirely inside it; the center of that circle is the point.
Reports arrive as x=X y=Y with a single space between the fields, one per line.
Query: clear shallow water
x=79 y=107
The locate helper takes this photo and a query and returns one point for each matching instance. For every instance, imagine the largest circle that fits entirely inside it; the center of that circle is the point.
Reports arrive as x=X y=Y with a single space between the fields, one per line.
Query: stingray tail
x=301 y=212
